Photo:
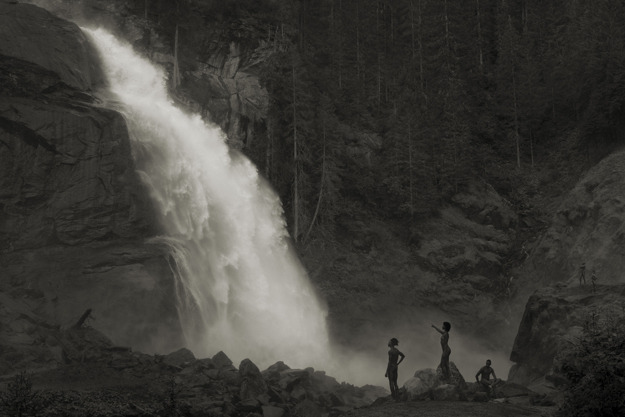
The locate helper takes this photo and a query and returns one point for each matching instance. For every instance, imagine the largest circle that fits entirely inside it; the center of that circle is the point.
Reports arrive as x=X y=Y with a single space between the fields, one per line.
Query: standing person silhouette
x=446 y=350
x=391 y=370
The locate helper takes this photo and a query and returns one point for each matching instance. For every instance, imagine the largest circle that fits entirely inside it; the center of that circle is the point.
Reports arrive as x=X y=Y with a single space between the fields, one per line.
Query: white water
x=240 y=288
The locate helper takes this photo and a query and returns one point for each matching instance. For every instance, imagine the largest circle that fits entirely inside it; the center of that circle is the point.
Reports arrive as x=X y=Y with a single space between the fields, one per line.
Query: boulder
x=273 y=372
x=419 y=386
x=554 y=318
x=445 y=392
x=179 y=358
x=221 y=360
x=455 y=377
x=252 y=383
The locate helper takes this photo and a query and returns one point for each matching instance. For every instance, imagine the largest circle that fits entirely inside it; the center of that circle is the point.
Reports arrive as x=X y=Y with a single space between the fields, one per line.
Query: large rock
x=54 y=44
x=252 y=383
x=418 y=387
x=430 y=384
x=76 y=226
x=554 y=318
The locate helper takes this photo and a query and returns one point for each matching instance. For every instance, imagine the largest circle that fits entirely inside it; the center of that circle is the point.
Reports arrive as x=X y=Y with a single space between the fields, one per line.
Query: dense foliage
x=396 y=104
x=19 y=399
x=387 y=107
x=595 y=367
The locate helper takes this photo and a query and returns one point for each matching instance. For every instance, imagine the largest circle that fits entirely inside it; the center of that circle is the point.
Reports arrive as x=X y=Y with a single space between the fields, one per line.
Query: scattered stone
x=252 y=383
x=179 y=358
x=445 y=392
x=307 y=408
x=221 y=360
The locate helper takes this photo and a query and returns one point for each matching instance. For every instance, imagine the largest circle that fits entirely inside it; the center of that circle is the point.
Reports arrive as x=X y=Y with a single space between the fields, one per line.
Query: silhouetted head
x=446 y=326
x=488 y=362
x=393 y=342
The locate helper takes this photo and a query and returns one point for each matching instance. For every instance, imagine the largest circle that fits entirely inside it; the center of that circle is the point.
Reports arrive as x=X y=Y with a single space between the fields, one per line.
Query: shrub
x=595 y=368
x=19 y=399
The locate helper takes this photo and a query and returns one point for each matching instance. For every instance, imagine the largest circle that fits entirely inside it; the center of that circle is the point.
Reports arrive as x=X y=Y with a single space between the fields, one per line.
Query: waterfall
x=240 y=288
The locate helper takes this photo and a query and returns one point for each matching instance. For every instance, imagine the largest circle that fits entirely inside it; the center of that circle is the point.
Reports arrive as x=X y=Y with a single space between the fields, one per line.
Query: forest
x=386 y=108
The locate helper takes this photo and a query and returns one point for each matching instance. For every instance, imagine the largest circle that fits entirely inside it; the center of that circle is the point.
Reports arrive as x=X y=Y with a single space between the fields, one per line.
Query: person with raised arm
x=446 y=350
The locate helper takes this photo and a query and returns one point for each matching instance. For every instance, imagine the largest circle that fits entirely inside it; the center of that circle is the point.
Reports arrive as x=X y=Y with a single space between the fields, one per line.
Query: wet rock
x=221 y=360
x=179 y=358
x=252 y=383
x=273 y=372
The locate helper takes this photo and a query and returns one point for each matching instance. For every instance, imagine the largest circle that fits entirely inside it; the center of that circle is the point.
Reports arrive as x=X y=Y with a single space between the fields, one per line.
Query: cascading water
x=240 y=288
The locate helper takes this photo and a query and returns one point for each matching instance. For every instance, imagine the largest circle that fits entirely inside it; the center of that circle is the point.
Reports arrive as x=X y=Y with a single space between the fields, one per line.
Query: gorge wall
x=75 y=223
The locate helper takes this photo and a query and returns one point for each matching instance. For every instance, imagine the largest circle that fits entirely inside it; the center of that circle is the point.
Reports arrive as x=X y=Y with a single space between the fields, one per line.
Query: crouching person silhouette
x=485 y=372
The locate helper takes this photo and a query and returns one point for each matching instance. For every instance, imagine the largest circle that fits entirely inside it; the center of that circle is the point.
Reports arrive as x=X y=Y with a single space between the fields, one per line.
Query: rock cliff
x=75 y=223
x=219 y=62
x=587 y=227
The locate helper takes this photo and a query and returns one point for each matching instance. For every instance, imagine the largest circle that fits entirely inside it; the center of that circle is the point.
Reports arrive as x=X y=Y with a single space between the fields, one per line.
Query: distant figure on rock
x=393 y=363
x=582 y=273
x=485 y=372
x=593 y=280
x=446 y=350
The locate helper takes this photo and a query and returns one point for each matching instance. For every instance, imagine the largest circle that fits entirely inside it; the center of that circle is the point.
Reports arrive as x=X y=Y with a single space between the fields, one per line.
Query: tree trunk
x=531 y=149
x=269 y=151
x=357 y=41
x=379 y=50
x=479 y=36
x=82 y=319
x=295 y=167
x=176 y=77
x=421 y=75
x=514 y=97
x=410 y=176
x=323 y=175
x=447 y=40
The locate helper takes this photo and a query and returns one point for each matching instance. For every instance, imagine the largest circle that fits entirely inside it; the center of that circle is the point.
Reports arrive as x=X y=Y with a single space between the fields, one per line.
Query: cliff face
x=588 y=227
x=74 y=217
x=218 y=62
